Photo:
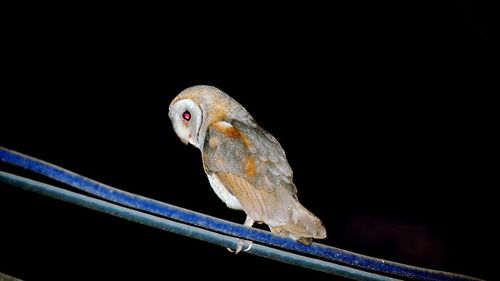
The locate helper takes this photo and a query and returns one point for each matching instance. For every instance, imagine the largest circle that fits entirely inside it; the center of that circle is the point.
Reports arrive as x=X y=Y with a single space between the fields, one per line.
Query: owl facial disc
x=186 y=117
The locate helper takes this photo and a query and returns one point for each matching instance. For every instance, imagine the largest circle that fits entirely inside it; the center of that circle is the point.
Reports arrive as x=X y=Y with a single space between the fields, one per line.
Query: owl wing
x=251 y=164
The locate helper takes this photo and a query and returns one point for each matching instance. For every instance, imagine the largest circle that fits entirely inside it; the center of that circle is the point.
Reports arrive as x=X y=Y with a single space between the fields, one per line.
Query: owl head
x=196 y=108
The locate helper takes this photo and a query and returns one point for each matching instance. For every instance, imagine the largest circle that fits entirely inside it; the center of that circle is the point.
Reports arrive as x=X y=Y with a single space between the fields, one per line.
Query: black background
x=383 y=109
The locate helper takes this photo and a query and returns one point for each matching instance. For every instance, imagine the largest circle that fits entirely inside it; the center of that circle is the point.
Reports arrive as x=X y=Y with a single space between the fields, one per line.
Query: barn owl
x=245 y=165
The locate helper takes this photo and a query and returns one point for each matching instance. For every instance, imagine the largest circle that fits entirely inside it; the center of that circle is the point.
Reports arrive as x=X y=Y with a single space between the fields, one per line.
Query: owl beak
x=183 y=139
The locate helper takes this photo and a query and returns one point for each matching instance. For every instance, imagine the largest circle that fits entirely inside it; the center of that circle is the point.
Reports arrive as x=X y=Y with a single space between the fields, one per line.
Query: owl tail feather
x=303 y=226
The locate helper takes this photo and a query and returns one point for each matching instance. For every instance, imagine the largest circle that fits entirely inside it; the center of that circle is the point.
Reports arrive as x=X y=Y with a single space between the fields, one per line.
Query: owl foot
x=248 y=222
x=239 y=246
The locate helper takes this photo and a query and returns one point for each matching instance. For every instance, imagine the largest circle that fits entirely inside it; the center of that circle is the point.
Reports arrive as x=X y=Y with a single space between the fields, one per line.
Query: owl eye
x=186 y=115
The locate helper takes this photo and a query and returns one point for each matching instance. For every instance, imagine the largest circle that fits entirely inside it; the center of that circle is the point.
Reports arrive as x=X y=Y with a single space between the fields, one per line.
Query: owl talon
x=250 y=244
x=239 y=246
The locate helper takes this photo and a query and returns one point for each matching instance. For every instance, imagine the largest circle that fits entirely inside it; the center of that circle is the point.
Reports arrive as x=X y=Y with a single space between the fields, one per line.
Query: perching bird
x=245 y=165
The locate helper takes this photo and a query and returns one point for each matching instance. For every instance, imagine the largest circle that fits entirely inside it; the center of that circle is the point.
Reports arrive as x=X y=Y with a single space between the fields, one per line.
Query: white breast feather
x=223 y=193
